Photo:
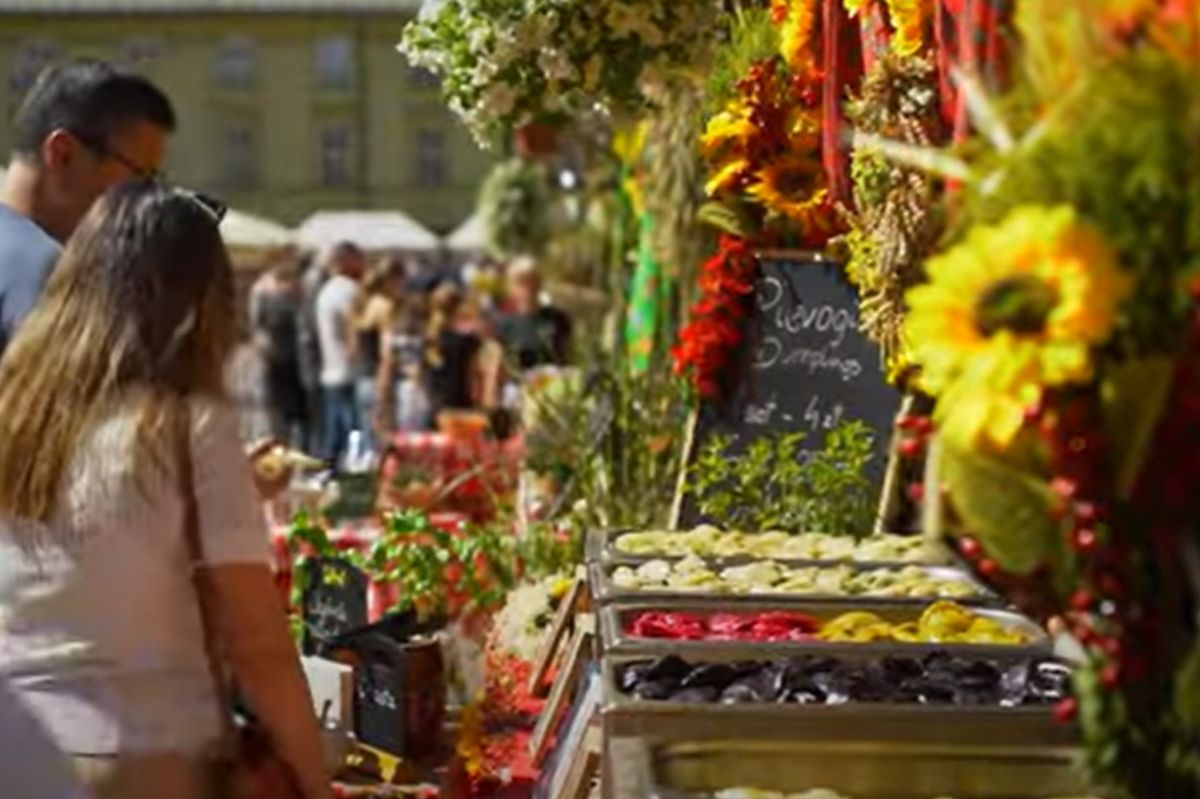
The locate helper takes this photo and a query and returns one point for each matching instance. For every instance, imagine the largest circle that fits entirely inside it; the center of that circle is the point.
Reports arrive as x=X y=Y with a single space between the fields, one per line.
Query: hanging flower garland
x=715 y=329
x=910 y=21
x=507 y=65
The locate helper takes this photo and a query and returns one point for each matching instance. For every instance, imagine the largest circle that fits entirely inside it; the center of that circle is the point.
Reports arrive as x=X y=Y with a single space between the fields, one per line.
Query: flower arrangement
x=1059 y=333
x=506 y=64
x=764 y=146
x=514 y=202
x=714 y=330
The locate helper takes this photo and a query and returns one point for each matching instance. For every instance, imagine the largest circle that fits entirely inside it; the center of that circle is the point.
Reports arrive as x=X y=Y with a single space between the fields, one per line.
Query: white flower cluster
x=526 y=616
x=507 y=63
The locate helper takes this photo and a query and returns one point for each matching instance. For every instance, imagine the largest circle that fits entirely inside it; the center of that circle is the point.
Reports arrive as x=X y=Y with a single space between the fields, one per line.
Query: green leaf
x=725 y=218
x=1134 y=394
x=1187 y=692
x=1006 y=508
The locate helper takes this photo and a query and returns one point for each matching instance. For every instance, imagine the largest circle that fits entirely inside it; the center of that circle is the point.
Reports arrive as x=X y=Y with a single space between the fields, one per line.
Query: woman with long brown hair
x=116 y=442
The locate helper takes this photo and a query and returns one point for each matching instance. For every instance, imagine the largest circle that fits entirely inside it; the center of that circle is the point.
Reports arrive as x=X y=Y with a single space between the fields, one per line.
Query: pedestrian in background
x=345 y=265
x=82 y=127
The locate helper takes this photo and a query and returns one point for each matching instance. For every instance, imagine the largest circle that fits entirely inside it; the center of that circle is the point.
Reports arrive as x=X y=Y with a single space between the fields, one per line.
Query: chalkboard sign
x=379 y=707
x=803 y=365
x=334 y=601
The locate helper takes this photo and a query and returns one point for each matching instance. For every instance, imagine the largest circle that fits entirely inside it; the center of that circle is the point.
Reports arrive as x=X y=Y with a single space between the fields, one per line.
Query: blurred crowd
x=353 y=350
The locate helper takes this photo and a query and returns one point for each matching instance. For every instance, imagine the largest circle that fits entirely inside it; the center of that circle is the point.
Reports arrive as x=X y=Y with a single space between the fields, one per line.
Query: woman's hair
x=377 y=283
x=444 y=303
x=138 y=309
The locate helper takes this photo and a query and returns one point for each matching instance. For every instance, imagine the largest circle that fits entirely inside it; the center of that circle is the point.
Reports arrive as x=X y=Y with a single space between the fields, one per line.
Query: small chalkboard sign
x=379 y=707
x=803 y=365
x=333 y=602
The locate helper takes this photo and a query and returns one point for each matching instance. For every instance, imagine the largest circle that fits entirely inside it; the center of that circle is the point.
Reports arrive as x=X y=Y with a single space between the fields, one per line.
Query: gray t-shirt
x=27 y=255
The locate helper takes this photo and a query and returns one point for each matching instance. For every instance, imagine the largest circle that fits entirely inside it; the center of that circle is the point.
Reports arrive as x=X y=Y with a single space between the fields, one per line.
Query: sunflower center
x=794 y=182
x=1021 y=304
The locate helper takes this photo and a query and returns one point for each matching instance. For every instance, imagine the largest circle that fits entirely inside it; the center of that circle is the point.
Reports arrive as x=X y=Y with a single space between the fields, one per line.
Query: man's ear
x=59 y=149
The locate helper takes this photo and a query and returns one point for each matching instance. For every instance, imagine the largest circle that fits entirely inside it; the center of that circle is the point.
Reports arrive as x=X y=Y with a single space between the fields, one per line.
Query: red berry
x=970 y=548
x=1085 y=513
x=1110 y=586
x=910 y=448
x=1081 y=600
x=987 y=567
x=923 y=425
x=916 y=492
x=1084 y=634
x=908 y=422
x=1064 y=487
x=1110 y=676
x=1110 y=646
x=1085 y=540
x=1066 y=710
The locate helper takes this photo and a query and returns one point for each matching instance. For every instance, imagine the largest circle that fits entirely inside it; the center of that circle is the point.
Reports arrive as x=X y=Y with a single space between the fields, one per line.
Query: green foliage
x=515 y=202
x=614 y=441
x=752 y=37
x=774 y=484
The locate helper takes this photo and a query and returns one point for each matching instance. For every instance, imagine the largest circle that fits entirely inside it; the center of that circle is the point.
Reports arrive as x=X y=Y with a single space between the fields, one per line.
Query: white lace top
x=100 y=630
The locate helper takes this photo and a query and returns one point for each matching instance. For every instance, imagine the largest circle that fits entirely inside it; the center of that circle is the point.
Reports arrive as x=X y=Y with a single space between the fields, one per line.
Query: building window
x=240 y=156
x=28 y=63
x=431 y=167
x=140 y=52
x=334 y=62
x=236 y=64
x=337 y=156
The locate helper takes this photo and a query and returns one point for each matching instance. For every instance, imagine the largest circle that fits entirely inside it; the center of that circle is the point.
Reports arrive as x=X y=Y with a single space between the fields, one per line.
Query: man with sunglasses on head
x=83 y=126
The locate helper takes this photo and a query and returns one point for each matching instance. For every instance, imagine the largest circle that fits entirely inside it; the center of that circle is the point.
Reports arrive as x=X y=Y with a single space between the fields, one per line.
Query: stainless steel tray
x=604 y=592
x=600 y=547
x=616 y=640
x=1025 y=726
x=861 y=770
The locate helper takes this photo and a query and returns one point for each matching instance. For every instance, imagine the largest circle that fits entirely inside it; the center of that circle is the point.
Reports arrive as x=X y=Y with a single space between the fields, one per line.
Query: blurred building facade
x=285 y=106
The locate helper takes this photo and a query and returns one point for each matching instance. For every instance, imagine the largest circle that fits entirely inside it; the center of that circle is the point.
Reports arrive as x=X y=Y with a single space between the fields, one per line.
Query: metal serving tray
x=861 y=770
x=1030 y=726
x=616 y=640
x=600 y=547
x=604 y=592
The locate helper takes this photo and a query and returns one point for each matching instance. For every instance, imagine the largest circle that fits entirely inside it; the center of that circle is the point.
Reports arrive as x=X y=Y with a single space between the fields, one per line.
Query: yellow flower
x=856 y=7
x=794 y=187
x=910 y=19
x=731 y=126
x=1014 y=308
x=726 y=177
x=796 y=37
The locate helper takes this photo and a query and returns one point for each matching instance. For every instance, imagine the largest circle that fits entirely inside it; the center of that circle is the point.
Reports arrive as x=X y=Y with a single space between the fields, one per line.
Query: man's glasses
x=210 y=205
x=102 y=149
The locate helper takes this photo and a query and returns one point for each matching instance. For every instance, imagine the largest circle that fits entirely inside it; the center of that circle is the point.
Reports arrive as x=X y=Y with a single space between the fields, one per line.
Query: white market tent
x=372 y=230
x=243 y=231
x=470 y=236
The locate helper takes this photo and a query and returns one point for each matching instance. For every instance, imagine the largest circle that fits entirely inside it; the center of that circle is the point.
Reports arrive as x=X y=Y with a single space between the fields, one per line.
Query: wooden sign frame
x=565 y=684
x=580 y=763
x=563 y=624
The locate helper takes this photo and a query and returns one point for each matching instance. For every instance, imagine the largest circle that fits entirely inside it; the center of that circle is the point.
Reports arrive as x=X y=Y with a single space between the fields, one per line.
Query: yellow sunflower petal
x=726 y=177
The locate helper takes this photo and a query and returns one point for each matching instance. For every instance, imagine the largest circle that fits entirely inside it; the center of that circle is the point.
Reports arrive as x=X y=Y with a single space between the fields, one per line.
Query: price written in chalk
x=818 y=415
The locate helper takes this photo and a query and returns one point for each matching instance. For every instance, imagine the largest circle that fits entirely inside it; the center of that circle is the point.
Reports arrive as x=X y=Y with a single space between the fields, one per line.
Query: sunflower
x=793 y=187
x=1013 y=309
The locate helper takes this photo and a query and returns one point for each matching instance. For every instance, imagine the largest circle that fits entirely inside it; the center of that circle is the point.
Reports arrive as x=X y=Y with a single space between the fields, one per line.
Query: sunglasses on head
x=210 y=205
